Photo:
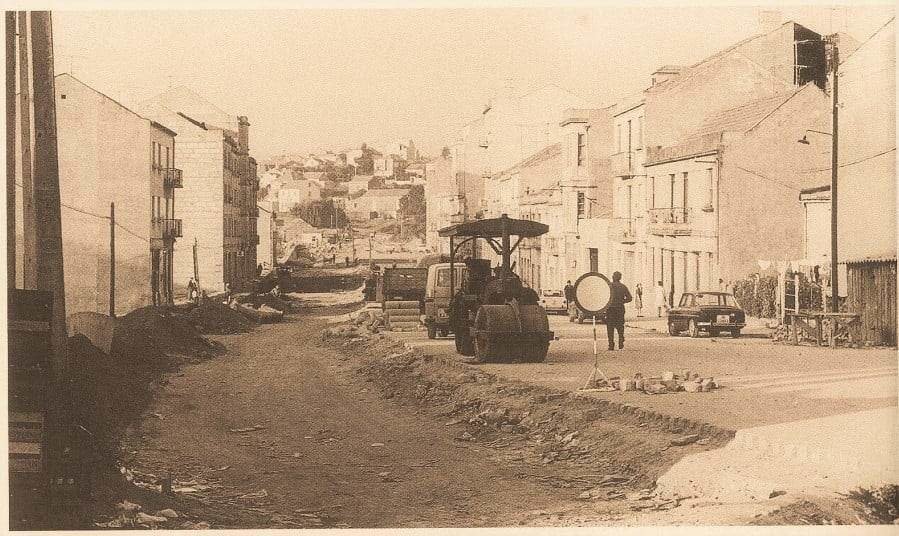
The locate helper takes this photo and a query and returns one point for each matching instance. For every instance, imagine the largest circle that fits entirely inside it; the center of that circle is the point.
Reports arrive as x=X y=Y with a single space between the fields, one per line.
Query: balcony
x=166 y=228
x=623 y=230
x=675 y=221
x=172 y=178
x=623 y=164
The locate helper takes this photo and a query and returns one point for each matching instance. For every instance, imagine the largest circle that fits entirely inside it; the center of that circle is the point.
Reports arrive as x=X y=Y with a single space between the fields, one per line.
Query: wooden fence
x=872 y=293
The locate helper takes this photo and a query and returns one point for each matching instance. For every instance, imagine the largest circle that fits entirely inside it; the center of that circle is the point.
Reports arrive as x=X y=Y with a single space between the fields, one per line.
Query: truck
x=401 y=292
x=438 y=296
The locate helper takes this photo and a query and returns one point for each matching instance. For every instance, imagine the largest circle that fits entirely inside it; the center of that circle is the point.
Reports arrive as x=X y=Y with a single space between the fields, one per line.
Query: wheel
x=735 y=333
x=671 y=330
x=693 y=329
x=487 y=350
x=442 y=332
x=534 y=353
x=432 y=331
x=464 y=345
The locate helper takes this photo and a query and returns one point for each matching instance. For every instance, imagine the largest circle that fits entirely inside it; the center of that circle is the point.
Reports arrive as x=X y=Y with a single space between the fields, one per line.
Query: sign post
x=592 y=293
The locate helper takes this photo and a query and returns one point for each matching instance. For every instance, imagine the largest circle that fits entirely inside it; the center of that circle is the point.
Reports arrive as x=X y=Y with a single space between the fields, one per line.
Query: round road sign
x=592 y=293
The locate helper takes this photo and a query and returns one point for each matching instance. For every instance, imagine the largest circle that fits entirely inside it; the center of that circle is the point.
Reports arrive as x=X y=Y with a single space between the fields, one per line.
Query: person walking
x=569 y=300
x=660 y=301
x=193 y=291
x=620 y=295
x=638 y=299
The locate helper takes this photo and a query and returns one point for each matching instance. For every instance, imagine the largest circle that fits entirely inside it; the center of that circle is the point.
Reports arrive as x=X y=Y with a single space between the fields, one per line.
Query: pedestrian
x=193 y=291
x=638 y=299
x=569 y=299
x=619 y=295
x=227 y=294
x=660 y=301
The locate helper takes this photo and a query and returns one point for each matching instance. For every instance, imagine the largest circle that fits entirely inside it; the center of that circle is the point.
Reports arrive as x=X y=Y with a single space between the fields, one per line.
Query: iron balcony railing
x=623 y=230
x=673 y=221
x=166 y=228
x=172 y=178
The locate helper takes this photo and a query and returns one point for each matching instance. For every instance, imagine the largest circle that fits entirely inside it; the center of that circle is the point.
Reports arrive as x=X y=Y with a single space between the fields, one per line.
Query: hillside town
x=671 y=302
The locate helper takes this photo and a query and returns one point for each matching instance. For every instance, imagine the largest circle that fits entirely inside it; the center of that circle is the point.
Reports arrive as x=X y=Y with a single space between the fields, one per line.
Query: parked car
x=553 y=301
x=712 y=312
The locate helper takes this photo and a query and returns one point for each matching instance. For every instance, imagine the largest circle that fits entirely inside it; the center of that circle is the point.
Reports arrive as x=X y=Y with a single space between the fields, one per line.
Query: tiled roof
x=543 y=155
x=744 y=117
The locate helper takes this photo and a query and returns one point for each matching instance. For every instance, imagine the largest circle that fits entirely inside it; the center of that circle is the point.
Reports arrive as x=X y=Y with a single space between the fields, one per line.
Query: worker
x=619 y=295
x=569 y=299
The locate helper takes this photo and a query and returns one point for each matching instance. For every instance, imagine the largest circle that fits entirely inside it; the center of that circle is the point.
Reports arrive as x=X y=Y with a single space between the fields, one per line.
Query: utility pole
x=49 y=254
x=29 y=266
x=196 y=268
x=112 y=260
x=11 y=149
x=834 y=167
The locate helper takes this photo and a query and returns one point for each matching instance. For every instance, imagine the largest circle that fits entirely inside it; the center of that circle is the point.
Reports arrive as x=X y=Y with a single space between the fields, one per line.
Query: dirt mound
x=258 y=300
x=625 y=448
x=215 y=318
x=151 y=332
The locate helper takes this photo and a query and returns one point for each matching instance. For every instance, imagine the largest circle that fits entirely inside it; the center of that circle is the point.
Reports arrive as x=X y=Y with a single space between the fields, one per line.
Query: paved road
x=763 y=382
x=808 y=419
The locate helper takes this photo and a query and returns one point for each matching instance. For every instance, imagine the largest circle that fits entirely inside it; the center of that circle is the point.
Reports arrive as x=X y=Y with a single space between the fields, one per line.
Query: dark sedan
x=712 y=312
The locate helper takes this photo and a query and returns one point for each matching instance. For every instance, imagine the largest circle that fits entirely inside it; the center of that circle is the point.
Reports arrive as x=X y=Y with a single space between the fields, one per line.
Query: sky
x=316 y=79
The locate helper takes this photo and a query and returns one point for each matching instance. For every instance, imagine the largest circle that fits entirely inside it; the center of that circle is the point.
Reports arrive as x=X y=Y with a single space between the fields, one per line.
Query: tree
x=413 y=203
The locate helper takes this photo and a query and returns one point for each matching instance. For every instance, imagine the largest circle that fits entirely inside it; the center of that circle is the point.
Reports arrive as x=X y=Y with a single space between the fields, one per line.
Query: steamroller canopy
x=493 y=228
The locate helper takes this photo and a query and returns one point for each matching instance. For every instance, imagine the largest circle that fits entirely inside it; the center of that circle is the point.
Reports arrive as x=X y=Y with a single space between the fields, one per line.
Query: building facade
x=110 y=154
x=220 y=187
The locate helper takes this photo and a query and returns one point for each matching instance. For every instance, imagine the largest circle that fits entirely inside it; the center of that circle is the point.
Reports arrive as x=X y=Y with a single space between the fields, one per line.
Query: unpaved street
x=331 y=453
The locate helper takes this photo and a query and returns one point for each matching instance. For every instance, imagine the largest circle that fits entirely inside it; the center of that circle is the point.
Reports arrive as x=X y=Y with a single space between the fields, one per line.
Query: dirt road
x=329 y=451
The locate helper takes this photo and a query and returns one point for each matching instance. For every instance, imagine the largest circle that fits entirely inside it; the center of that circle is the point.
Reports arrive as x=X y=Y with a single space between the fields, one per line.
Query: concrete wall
x=105 y=156
x=867 y=183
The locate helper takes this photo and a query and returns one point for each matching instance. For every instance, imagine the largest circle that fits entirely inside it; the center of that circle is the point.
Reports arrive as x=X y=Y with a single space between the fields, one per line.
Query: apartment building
x=220 y=187
x=444 y=202
x=670 y=176
x=110 y=154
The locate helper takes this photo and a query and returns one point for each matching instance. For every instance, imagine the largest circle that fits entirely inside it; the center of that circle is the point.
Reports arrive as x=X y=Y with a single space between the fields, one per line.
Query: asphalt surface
x=762 y=382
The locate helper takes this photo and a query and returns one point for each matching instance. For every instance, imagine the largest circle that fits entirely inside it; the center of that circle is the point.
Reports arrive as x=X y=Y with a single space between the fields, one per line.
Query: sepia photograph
x=451 y=265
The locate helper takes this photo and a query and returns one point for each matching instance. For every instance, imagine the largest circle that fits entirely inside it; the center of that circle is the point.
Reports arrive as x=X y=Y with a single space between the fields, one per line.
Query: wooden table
x=823 y=328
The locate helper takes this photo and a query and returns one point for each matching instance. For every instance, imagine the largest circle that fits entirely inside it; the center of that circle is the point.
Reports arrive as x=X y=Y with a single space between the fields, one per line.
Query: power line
x=757 y=174
x=98 y=216
x=860 y=160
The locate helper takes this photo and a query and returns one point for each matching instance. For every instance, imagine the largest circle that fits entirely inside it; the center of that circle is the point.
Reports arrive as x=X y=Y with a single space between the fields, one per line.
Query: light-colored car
x=553 y=301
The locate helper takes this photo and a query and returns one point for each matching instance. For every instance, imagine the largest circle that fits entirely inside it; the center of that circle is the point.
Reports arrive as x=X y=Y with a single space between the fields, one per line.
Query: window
x=711 y=190
x=640 y=132
x=686 y=196
x=581 y=204
x=153 y=157
x=652 y=192
x=671 y=192
x=581 y=149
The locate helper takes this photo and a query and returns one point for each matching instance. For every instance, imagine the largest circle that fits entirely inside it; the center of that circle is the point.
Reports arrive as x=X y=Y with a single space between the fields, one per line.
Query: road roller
x=494 y=316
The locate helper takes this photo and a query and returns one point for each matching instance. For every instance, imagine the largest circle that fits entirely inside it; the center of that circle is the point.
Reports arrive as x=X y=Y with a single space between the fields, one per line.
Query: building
x=220 y=187
x=669 y=173
x=444 y=202
x=294 y=193
x=110 y=154
x=384 y=166
x=816 y=209
x=866 y=193
x=378 y=203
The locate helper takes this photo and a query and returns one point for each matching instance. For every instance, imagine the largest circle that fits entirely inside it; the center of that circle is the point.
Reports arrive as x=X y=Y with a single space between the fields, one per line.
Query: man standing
x=660 y=299
x=569 y=299
x=638 y=299
x=620 y=295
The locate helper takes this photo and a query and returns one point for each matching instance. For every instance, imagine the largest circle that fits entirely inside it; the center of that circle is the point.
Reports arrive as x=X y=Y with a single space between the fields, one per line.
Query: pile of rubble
x=668 y=382
x=131 y=516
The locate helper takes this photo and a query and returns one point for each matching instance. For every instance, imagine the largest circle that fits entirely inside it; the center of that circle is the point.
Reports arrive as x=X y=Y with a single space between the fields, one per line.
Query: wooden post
x=834 y=167
x=11 y=149
x=29 y=266
x=112 y=260
x=49 y=254
x=796 y=290
x=196 y=269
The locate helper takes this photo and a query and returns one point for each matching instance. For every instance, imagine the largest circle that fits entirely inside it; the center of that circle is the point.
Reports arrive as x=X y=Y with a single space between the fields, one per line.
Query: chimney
x=243 y=134
x=769 y=21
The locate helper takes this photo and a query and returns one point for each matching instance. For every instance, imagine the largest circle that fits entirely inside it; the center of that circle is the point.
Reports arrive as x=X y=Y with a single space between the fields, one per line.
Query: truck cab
x=438 y=296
